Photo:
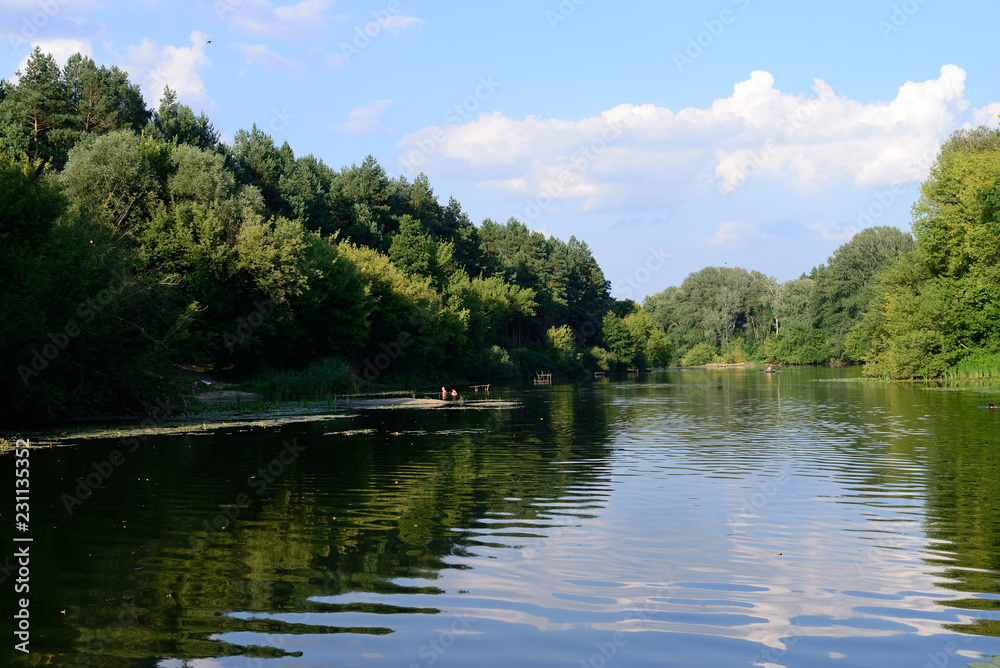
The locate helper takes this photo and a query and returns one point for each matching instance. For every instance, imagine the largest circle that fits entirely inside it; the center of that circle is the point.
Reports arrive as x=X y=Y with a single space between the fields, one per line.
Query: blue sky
x=669 y=136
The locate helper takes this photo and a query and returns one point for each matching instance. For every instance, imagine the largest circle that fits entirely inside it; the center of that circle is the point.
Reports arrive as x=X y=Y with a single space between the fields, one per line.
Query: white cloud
x=733 y=231
x=337 y=61
x=272 y=62
x=292 y=21
x=307 y=10
x=60 y=49
x=832 y=231
x=177 y=67
x=395 y=23
x=987 y=115
x=365 y=119
x=36 y=6
x=632 y=153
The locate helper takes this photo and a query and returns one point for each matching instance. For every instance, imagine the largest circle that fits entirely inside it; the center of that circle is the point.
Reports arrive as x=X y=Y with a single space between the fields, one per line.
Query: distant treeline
x=134 y=243
x=907 y=308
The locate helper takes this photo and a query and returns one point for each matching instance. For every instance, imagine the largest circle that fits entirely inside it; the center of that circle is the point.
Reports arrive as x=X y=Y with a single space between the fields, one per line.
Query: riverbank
x=211 y=415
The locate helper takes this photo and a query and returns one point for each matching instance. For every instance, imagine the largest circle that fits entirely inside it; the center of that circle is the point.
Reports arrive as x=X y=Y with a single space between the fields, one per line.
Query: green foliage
x=493 y=363
x=807 y=320
x=841 y=290
x=734 y=353
x=560 y=341
x=944 y=298
x=81 y=328
x=34 y=114
x=101 y=100
x=199 y=176
x=360 y=205
x=633 y=340
x=413 y=251
x=796 y=344
x=395 y=303
x=560 y=347
x=596 y=358
x=659 y=350
x=321 y=379
x=699 y=355
x=568 y=285
x=978 y=365
x=49 y=110
x=528 y=362
x=905 y=328
x=714 y=305
x=28 y=206
x=791 y=308
x=259 y=163
x=175 y=122
x=117 y=177
x=619 y=342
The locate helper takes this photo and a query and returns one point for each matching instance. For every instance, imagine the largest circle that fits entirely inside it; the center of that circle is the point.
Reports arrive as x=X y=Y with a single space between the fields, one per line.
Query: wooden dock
x=542 y=378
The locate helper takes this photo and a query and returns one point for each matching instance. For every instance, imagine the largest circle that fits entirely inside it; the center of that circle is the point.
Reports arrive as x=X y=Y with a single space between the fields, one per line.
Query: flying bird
x=208 y=42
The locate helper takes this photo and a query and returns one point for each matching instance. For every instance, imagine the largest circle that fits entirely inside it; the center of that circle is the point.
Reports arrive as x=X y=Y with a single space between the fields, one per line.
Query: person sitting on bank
x=991 y=406
x=454 y=393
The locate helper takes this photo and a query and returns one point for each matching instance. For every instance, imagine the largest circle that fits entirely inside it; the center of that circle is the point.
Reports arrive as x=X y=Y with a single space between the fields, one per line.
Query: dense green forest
x=731 y=314
x=919 y=307
x=136 y=246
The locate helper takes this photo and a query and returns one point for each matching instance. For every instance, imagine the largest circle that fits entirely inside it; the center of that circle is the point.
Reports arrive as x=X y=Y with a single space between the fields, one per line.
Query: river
x=694 y=517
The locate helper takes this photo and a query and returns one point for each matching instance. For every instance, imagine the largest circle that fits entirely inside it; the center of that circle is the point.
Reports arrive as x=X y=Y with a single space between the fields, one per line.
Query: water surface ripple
x=695 y=517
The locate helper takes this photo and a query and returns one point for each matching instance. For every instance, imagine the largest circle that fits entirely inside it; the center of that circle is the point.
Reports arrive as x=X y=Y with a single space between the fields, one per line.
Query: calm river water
x=682 y=518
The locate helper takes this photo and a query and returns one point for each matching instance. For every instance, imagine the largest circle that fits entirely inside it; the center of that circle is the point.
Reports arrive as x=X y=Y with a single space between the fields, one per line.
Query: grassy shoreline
x=247 y=415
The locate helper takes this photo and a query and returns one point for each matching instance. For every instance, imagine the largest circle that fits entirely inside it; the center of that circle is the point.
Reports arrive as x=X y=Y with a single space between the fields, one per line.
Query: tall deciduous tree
x=119 y=176
x=841 y=291
x=943 y=300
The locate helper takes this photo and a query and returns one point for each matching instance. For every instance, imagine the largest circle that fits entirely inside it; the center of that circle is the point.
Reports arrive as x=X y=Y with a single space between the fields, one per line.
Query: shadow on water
x=192 y=539
x=738 y=517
